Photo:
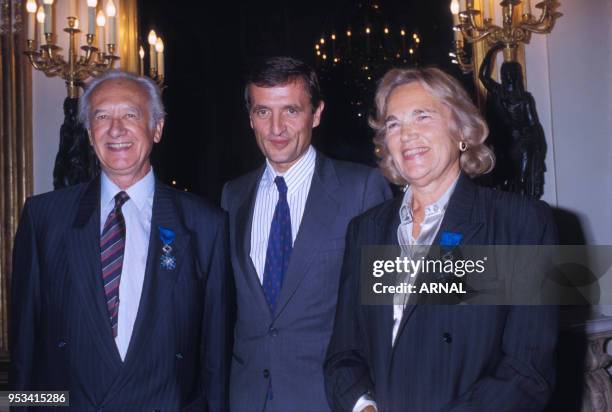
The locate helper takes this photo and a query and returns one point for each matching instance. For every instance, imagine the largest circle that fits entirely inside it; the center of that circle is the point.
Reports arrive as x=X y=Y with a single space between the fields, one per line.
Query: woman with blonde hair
x=405 y=357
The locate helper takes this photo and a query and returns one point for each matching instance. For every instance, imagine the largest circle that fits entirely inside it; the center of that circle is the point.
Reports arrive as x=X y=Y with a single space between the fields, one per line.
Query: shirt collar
x=296 y=174
x=437 y=207
x=140 y=192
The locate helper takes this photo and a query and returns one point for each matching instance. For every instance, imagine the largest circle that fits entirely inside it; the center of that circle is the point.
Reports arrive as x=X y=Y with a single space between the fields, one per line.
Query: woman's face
x=418 y=138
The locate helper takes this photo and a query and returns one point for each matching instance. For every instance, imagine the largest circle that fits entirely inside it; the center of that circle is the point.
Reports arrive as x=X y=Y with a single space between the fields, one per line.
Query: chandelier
x=360 y=46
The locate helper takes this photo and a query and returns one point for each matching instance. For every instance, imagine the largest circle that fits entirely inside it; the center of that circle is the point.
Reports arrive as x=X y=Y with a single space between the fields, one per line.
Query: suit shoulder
x=517 y=218
x=196 y=205
x=44 y=202
x=59 y=195
x=381 y=212
x=353 y=170
x=513 y=206
x=241 y=182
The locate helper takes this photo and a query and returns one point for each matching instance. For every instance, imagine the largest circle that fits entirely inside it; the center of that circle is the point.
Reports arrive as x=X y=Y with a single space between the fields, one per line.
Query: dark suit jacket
x=445 y=357
x=61 y=336
x=289 y=346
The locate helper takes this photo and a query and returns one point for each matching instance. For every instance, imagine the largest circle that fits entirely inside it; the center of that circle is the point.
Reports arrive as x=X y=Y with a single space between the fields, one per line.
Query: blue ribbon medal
x=167 y=236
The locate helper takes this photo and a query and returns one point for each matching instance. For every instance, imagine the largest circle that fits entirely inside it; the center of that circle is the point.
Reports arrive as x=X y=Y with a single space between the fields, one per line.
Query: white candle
x=101 y=38
x=91 y=16
x=152 y=39
x=48 y=5
x=72 y=8
x=159 y=48
x=113 y=31
x=40 y=17
x=486 y=9
x=527 y=6
x=454 y=7
x=141 y=54
x=101 y=21
x=111 y=12
x=31 y=8
x=153 y=57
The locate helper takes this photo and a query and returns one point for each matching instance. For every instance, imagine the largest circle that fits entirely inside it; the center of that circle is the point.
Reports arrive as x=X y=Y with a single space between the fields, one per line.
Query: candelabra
x=156 y=58
x=474 y=25
x=76 y=69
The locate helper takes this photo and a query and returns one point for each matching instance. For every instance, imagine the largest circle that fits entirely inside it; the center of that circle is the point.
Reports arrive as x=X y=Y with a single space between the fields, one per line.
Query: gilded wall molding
x=15 y=147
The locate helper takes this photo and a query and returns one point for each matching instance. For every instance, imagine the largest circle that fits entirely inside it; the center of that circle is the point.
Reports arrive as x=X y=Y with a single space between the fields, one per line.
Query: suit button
x=273 y=332
x=446 y=337
x=178 y=356
x=266 y=373
x=61 y=344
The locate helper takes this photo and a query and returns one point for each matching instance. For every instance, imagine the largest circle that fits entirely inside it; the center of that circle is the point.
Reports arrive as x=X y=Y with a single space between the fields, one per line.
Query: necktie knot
x=120 y=199
x=281 y=186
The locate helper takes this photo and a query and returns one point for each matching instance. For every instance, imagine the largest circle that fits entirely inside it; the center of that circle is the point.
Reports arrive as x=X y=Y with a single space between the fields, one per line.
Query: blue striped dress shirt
x=298 y=179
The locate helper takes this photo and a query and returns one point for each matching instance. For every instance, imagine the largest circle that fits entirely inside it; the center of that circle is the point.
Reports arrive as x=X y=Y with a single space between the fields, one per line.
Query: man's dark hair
x=279 y=71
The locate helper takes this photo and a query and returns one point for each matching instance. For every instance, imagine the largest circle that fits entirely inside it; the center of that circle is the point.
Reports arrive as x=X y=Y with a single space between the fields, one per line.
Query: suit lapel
x=387 y=222
x=458 y=218
x=244 y=222
x=319 y=214
x=158 y=285
x=83 y=242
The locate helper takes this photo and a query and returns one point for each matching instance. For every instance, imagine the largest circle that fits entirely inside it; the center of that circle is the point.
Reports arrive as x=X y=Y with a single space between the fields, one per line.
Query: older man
x=288 y=220
x=119 y=286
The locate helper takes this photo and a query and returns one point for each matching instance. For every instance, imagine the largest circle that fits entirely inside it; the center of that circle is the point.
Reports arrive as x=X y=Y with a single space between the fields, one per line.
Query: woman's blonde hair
x=467 y=126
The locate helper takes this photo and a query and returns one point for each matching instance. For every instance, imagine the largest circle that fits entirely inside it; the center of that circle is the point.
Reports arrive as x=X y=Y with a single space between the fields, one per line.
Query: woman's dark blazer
x=445 y=357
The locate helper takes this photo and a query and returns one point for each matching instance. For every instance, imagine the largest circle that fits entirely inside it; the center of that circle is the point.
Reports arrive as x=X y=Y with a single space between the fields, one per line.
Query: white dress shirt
x=137 y=213
x=413 y=249
x=298 y=179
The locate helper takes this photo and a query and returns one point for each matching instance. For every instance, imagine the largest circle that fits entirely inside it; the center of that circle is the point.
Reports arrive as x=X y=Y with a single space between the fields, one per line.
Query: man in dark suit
x=119 y=286
x=288 y=222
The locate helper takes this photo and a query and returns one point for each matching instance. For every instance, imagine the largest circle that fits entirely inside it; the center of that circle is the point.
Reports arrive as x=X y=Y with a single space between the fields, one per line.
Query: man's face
x=418 y=137
x=282 y=119
x=119 y=130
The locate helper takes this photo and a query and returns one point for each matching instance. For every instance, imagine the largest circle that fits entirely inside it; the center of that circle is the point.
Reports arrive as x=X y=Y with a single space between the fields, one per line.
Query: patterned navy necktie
x=112 y=248
x=279 y=247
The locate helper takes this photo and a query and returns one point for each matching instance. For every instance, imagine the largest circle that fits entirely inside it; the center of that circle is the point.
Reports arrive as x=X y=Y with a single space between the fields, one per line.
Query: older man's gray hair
x=156 y=106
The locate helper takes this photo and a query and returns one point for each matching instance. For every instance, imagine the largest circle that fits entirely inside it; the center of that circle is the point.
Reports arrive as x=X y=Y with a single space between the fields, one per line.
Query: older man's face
x=119 y=130
x=282 y=119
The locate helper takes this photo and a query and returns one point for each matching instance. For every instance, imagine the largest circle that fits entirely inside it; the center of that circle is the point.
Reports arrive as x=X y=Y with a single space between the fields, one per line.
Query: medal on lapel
x=167 y=259
x=449 y=243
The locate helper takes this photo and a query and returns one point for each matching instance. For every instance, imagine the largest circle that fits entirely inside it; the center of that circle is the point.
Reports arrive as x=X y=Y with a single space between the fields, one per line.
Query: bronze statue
x=516 y=133
x=75 y=161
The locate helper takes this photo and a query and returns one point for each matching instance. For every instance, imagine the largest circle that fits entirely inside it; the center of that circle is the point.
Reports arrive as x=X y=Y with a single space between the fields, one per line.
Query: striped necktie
x=280 y=244
x=112 y=248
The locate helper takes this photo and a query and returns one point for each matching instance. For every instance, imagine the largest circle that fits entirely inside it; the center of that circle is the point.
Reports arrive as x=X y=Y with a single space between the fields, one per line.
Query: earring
x=463 y=146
